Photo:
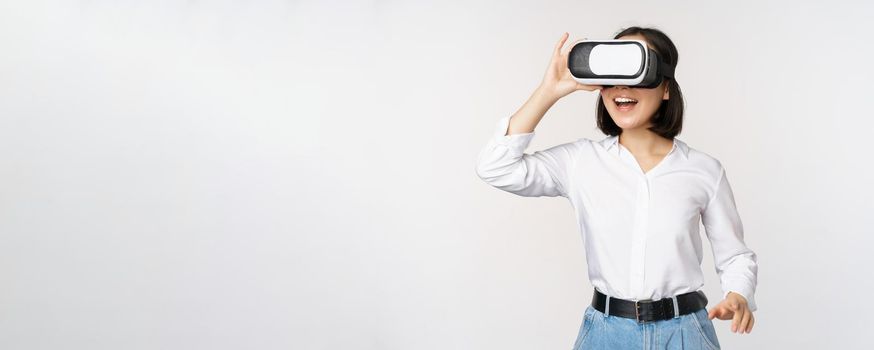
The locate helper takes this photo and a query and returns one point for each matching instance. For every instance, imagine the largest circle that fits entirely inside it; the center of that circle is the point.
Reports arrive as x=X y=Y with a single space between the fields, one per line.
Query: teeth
x=623 y=99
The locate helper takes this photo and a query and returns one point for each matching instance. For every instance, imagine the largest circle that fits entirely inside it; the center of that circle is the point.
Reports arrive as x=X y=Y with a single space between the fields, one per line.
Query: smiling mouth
x=624 y=104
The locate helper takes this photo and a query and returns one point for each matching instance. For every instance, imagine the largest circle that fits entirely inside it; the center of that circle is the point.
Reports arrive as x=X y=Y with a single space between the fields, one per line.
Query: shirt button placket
x=638 y=236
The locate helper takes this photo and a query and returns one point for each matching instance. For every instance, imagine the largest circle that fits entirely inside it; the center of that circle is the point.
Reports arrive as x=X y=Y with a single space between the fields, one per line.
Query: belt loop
x=676 y=306
x=607 y=306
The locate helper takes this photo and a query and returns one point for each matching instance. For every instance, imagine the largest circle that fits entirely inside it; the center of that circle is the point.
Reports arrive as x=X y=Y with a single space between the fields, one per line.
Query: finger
x=722 y=313
x=745 y=321
x=719 y=312
x=711 y=314
x=735 y=321
x=588 y=87
x=752 y=320
x=560 y=43
x=566 y=51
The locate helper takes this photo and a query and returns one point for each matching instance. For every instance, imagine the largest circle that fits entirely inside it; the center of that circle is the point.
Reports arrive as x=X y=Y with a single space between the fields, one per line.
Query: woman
x=638 y=195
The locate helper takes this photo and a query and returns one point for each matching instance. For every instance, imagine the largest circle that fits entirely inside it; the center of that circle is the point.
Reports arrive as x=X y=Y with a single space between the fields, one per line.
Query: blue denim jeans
x=689 y=331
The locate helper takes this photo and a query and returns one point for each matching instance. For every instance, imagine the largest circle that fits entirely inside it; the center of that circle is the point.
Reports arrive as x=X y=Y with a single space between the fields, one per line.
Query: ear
x=667 y=94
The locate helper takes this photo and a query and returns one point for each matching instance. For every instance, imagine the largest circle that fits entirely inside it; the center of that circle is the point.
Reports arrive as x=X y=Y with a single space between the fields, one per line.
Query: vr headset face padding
x=617 y=62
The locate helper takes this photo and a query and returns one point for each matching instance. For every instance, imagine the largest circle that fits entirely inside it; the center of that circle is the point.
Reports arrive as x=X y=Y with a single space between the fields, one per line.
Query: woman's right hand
x=558 y=81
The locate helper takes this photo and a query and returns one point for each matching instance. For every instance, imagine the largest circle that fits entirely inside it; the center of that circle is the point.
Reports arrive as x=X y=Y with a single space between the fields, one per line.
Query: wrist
x=735 y=295
x=545 y=95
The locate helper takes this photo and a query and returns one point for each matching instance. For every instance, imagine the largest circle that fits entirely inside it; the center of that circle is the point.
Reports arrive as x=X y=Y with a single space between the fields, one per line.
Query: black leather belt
x=650 y=310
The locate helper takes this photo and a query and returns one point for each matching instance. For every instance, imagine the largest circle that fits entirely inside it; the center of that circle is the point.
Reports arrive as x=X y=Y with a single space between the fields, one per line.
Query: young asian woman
x=639 y=195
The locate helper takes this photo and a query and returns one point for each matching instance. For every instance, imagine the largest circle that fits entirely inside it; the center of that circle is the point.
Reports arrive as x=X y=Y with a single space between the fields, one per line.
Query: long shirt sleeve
x=503 y=164
x=735 y=264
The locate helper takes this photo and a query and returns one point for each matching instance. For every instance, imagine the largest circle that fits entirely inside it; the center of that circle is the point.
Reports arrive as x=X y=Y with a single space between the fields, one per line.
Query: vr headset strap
x=666 y=69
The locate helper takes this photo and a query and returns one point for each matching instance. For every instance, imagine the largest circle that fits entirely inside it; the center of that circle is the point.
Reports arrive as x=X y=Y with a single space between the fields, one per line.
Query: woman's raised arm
x=503 y=164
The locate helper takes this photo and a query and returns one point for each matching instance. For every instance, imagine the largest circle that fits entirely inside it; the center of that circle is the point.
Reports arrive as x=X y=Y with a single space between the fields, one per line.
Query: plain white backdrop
x=300 y=174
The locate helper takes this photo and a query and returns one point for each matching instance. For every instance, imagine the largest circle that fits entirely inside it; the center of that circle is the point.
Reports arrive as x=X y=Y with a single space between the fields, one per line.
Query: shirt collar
x=610 y=141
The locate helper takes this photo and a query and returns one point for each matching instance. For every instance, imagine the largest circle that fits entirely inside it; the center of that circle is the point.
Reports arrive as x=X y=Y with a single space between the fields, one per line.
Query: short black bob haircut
x=668 y=120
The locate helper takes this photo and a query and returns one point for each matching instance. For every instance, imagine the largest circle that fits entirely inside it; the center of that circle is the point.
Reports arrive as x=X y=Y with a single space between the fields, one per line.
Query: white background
x=300 y=174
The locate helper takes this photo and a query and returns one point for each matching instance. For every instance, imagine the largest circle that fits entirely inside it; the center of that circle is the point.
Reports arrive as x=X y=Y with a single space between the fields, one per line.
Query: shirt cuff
x=748 y=294
x=516 y=143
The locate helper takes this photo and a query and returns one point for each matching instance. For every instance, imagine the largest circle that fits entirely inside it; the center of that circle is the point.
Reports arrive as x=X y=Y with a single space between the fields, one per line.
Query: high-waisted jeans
x=689 y=331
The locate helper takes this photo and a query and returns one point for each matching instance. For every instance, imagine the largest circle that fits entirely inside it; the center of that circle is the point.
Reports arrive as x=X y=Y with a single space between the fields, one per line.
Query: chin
x=627 y=122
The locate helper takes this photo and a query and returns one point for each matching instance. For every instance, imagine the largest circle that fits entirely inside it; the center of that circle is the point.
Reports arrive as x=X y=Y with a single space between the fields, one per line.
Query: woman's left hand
x=734 y=307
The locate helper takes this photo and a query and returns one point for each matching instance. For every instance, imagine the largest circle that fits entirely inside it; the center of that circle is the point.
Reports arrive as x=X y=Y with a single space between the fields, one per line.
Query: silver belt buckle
x=637 y=310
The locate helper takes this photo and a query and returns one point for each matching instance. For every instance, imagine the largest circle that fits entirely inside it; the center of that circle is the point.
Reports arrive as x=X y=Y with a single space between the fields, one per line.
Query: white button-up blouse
x=640 y=229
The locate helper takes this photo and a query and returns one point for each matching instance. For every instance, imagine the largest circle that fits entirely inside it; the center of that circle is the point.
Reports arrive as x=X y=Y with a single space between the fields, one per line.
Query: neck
x=644 y=141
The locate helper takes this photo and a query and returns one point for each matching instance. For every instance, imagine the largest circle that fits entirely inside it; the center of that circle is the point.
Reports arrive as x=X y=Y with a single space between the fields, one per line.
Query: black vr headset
x=617 y=62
